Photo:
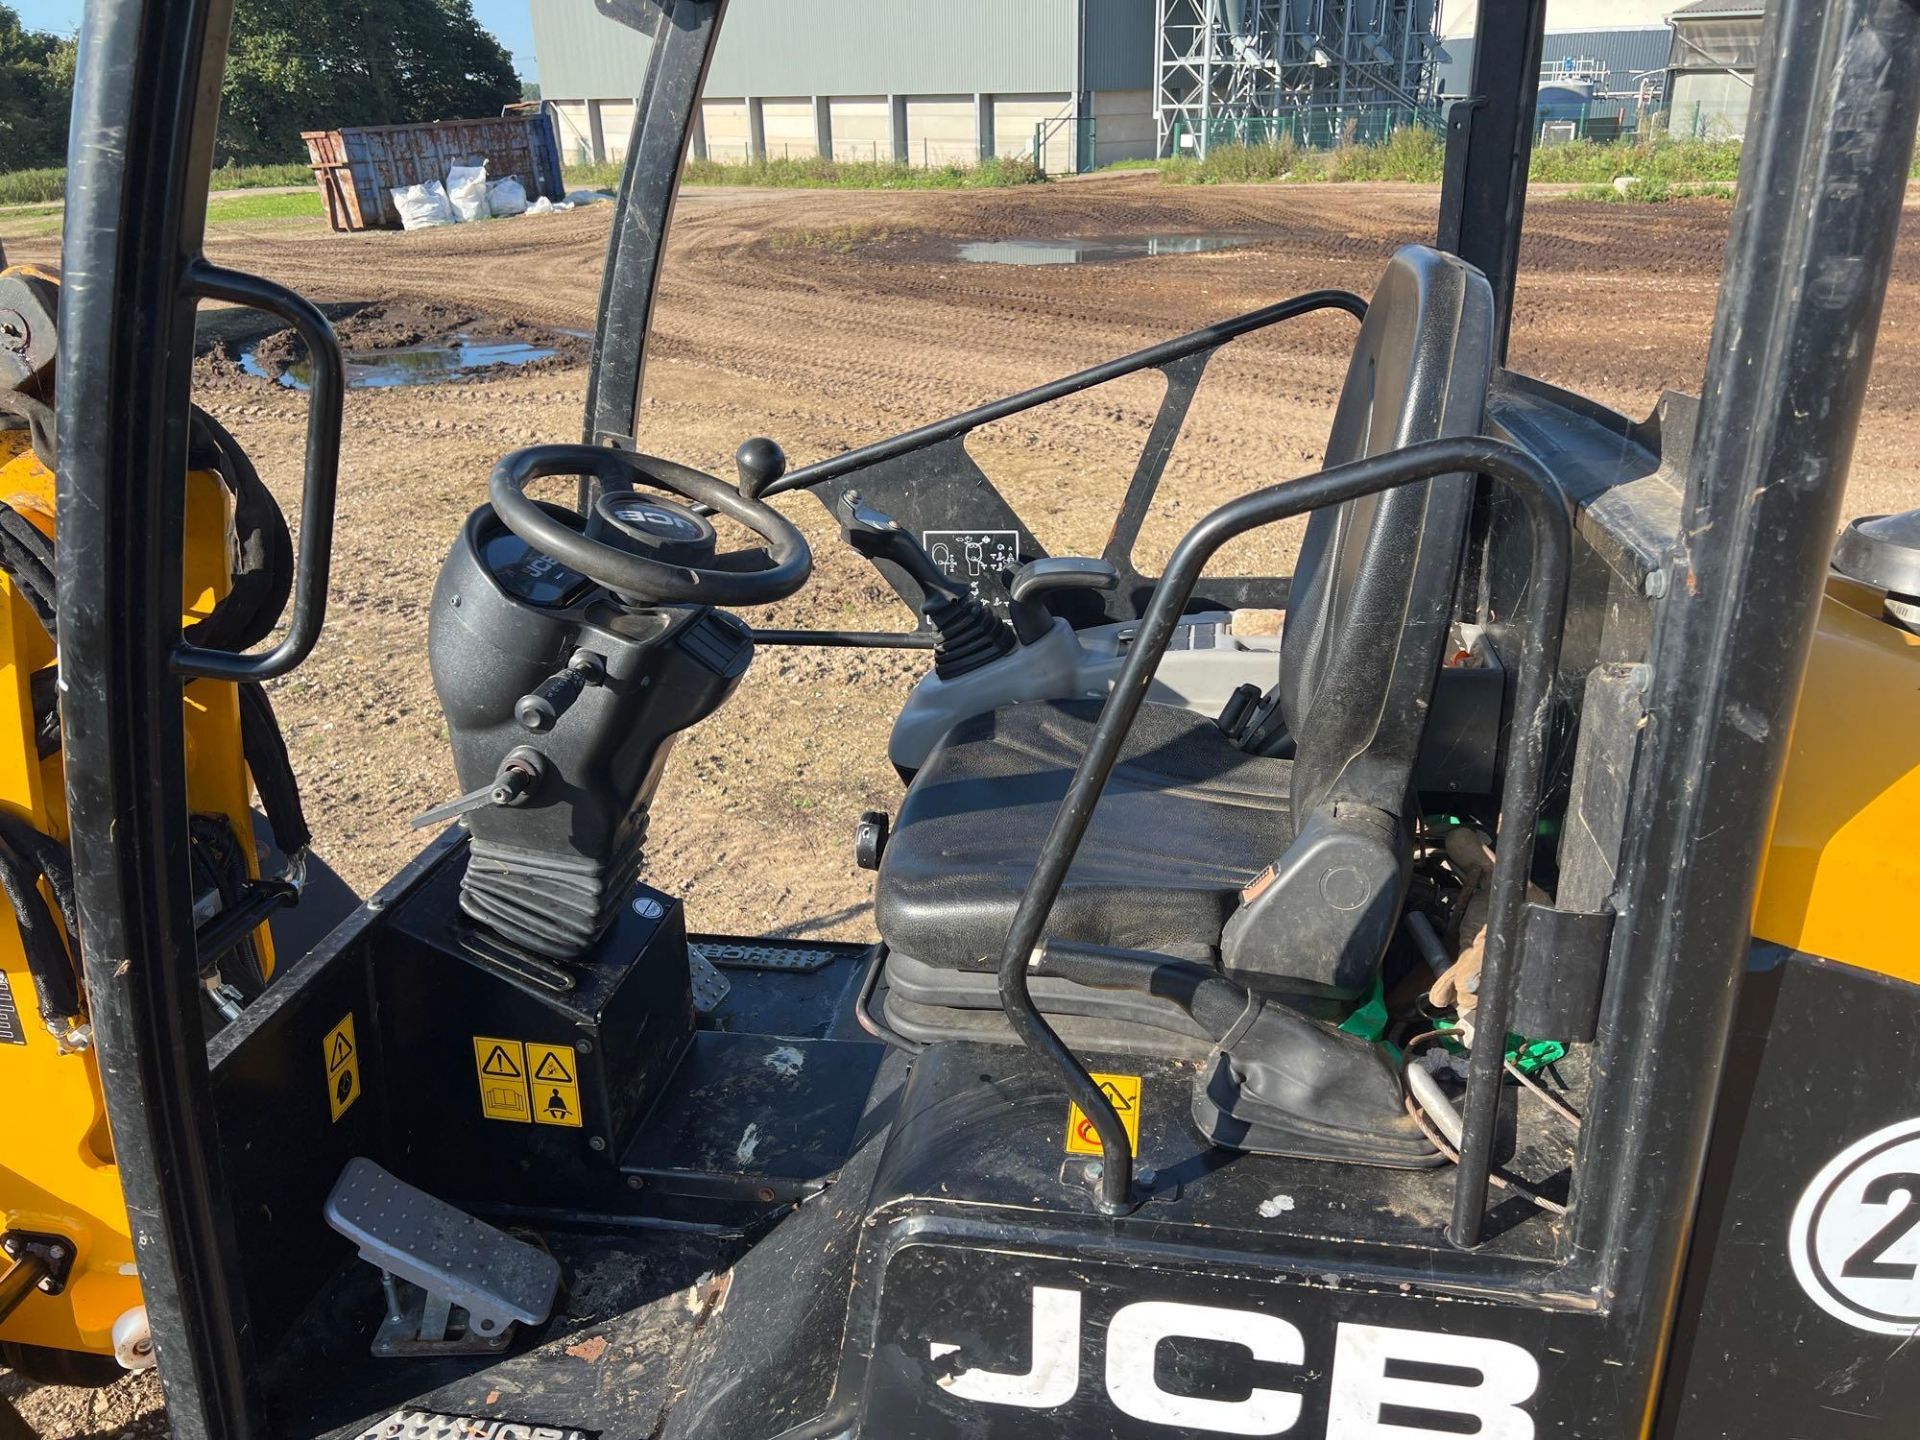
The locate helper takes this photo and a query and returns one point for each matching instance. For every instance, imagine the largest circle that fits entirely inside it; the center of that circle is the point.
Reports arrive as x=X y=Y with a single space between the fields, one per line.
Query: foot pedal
x=454 y=1285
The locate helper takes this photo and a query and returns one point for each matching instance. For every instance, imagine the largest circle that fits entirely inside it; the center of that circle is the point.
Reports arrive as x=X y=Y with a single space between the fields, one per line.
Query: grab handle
x=321 y=481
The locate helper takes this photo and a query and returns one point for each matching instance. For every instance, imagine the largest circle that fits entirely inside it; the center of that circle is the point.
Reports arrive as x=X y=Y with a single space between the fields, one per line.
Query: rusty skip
x=357 y=168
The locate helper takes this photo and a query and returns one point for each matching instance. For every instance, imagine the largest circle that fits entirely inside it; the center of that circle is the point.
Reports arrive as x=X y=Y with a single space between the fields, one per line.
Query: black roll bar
x=1552 y=530
x=1202 y=341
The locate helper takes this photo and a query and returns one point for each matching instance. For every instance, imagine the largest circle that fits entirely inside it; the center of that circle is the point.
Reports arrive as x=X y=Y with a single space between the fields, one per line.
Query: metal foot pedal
x=454 y=1285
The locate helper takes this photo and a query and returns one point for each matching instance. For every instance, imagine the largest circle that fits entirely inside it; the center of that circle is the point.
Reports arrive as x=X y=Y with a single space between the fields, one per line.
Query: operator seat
x=1188 y=819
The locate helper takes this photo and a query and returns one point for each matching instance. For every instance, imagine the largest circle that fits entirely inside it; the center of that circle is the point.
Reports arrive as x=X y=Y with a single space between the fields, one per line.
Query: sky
x=510 y=20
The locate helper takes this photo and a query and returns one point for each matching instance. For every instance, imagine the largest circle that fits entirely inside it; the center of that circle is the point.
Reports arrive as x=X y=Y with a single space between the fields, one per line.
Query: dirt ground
x=828 y=319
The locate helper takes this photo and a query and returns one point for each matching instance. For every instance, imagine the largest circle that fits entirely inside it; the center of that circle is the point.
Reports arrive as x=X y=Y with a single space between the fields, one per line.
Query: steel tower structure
x=1232 y=60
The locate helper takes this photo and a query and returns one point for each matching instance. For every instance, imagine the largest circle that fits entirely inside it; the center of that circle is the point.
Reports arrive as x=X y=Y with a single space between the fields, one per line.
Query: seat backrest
x=1373 y=593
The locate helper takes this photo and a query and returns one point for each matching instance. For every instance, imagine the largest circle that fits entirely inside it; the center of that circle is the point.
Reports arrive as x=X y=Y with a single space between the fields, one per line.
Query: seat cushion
x=1185 y=822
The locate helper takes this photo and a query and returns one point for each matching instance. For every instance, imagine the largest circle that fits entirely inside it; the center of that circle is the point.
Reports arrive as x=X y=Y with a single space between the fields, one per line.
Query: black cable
x=265 y=749
x=27 y=557
x=56 y=985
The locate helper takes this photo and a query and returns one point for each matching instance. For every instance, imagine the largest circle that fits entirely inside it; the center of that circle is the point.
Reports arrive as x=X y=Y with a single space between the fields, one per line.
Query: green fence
x=1308 y=127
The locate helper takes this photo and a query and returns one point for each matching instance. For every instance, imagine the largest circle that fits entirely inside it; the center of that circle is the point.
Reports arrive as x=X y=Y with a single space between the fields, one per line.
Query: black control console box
x=527 y=1093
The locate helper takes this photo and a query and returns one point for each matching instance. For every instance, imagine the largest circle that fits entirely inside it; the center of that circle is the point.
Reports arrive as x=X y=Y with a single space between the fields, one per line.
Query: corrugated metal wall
x=1119 y=44
x=857 y=47
x=1624 y=52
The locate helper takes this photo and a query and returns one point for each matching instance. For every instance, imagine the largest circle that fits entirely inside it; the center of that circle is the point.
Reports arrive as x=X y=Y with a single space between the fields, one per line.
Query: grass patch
x=1652 y=192
x=591 y=176
x=1684 y=162
x=830 y=240
x=233 y=208
x=1418 y=155
x=814 y=173
x=30 y=187
x=1409 y=154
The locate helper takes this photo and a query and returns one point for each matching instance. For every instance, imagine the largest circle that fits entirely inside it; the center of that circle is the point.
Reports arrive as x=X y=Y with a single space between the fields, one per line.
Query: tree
x=354 y=62
x=36 y=92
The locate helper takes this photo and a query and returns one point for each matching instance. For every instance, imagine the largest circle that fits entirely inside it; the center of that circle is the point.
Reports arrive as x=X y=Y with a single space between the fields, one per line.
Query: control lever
x=518 y=777
x=541 y=710
x=1031 y=619
x=971 y=635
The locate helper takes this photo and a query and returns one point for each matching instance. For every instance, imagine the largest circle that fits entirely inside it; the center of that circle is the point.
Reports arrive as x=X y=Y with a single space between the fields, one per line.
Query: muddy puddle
x=1095 y=251
x=404 y=364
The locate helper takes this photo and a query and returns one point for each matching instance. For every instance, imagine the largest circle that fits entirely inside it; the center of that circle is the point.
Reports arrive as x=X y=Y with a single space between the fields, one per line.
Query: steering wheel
x=788 y=561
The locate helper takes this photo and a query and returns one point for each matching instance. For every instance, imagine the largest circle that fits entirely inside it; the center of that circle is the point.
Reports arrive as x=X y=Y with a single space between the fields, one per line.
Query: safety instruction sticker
x=342 y=1054
x=502 y=1066
x=556 y=1084
x=1123 y=1093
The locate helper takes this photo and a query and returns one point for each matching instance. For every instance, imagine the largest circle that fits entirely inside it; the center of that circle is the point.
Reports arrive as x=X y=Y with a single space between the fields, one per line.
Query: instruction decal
x=11 y=1031
x=1123 y=1093
x=502 y=1068
x=556 y=1084
x=971 y=556
x=1855 y=1239
x=342 y=1055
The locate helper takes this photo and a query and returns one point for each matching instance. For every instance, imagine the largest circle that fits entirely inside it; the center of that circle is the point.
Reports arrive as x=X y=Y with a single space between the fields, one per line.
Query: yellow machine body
x=57 y=1172
x=1841 y=866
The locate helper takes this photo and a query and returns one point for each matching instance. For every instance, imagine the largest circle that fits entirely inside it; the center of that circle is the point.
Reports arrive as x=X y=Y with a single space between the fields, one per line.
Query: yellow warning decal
x=1123 y=1093
x=502 y=1067
x=556 y=1084
x=342 y=1055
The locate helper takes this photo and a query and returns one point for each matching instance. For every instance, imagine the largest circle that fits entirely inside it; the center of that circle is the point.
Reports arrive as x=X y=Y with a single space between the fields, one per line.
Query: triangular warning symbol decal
x=552 y=1068
x=499 y=1062
x=1120 y=1101
x=341 y=1052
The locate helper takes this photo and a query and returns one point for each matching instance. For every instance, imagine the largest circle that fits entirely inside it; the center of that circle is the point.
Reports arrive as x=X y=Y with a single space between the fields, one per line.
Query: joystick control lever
x=971 y=635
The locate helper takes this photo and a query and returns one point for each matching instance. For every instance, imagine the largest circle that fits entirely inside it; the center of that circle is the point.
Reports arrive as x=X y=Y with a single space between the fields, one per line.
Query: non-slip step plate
x=756 y=1116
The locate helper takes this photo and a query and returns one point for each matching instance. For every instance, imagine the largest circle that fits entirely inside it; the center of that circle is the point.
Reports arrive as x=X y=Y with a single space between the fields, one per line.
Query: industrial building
x=1716 y=48
x=927 y=82
x=1076 y=83
x=1602 y=60
x=1079 y=84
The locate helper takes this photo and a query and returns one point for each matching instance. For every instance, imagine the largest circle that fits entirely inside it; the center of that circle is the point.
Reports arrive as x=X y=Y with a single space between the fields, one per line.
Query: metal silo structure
x=1310 y=69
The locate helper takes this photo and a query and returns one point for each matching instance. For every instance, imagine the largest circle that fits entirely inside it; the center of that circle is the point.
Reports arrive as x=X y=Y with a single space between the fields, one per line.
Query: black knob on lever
x=760 y=463
x=541 y=710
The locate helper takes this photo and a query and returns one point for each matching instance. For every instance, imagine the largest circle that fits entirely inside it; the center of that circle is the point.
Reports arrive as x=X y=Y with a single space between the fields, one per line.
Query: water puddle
x=1098 y=251
x=406 y=365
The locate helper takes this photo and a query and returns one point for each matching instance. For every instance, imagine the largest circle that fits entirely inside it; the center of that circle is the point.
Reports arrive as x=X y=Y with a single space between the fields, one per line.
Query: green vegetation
x=290 y=68
x=353 y=62
x=33 y=187
x=833 y=239
x=1652 y=192
x=36 y=91
x=589 y=176
x=1418 y=155
x=303 y=205
x=814 y=173
x=1683 y=162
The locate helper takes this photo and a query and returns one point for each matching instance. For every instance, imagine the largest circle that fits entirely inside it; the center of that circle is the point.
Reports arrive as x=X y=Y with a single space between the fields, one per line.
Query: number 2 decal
x=1855 y=1238
x=1869 y=1262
